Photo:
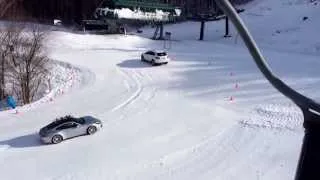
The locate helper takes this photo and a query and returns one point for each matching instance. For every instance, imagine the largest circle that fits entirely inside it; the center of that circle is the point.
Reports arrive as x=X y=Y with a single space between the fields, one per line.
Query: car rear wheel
x=57 y=139
x=91 y=130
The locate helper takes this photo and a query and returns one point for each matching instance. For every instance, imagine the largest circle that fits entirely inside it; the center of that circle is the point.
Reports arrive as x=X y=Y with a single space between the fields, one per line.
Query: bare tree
x=3 y=56
x=8 y=39
x=27 y=64
x=5 y=5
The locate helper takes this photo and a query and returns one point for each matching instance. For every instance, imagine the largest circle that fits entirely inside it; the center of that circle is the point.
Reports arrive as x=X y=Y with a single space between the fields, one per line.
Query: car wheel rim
x=56 y=139
x=92 y=130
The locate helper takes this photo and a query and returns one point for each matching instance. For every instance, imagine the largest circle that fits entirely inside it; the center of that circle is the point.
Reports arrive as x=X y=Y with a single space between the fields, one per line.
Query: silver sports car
x=68 y=127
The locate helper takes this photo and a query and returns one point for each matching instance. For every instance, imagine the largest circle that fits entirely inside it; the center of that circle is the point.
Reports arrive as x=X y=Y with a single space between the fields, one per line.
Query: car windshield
x=161 y=54
x=81 y=120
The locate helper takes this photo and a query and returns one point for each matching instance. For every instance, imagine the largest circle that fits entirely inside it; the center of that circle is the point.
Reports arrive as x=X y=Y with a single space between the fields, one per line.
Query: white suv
x=155 y=57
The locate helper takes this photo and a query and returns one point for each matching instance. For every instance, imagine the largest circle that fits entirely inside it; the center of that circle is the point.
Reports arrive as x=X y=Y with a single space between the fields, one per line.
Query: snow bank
x=126 y=13
x=62 y=79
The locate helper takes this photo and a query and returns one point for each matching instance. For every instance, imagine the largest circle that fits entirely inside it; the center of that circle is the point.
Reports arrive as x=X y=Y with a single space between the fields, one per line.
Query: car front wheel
x=57 y=139
x=153 y=63
x=91 y=130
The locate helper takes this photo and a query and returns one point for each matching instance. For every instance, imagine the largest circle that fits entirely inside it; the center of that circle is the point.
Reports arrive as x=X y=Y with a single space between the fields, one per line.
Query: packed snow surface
x=208 y=114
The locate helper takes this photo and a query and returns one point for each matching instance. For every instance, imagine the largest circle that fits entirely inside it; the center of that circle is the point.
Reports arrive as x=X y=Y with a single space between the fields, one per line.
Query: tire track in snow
x=218 y=157
x=137 y=81
x=135 y=95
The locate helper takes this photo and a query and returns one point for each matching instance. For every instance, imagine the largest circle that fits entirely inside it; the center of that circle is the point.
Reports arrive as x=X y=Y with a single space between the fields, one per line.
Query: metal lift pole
x=203 y=23
x=227 y=28
x=309 y=163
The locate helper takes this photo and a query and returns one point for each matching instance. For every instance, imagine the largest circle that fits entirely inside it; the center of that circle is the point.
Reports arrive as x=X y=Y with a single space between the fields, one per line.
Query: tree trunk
x=2 y=82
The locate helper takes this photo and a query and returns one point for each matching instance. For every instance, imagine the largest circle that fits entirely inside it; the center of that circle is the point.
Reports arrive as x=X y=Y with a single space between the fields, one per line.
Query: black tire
x=142 y=58
x=153 y=62
x=56 y=139
x=91 y=130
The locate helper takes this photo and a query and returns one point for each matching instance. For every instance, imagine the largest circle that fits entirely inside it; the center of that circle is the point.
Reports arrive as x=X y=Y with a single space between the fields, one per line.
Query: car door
x=78 y=129
x=148 y=56
x=69 y=129
x=152 y=55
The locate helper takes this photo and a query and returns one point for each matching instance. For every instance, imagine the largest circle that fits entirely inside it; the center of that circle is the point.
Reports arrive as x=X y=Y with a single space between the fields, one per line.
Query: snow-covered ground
x=208 y=114
x=278 y=25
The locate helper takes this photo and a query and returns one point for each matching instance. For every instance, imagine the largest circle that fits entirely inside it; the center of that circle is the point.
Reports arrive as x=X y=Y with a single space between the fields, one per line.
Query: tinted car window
x=67 y=126
x=81 y=120
x=55 y=124
x=52 y=125
x=150 y=53
x=60 y=121
x=162 y=54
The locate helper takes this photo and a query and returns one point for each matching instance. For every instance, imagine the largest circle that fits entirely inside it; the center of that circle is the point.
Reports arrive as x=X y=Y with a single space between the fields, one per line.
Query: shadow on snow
x=30 y=140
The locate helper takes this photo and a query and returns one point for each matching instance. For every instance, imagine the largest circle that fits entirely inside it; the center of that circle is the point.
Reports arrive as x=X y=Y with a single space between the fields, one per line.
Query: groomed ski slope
x=167 y=122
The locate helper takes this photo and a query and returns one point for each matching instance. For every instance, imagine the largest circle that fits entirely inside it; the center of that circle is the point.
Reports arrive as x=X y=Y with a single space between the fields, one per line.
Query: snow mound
x=275 y=116
x=62 y=78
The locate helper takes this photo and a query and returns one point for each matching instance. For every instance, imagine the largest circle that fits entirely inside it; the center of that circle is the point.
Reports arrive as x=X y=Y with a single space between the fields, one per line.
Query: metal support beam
x=227 y=28
x=309 y=163
x=203 y=23
x=161 y=37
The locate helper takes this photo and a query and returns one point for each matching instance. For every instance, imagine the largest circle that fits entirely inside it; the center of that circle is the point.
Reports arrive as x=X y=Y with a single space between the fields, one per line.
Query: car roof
x=60 y=121
x=157 y=51
x=160 y=51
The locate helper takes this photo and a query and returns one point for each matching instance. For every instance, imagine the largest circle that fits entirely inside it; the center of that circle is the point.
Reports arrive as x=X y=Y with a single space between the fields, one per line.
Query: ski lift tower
x=210 y=14
x=167 y=44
